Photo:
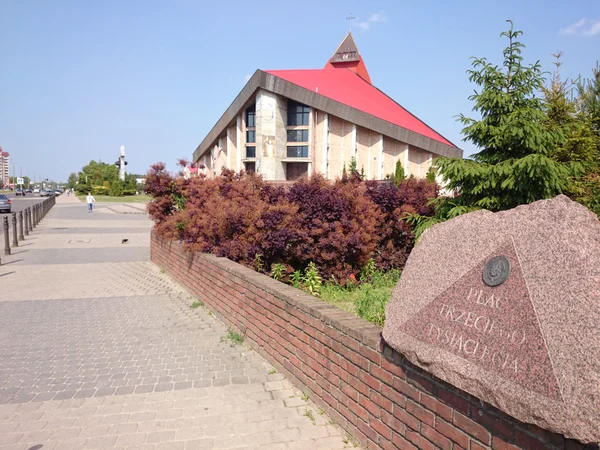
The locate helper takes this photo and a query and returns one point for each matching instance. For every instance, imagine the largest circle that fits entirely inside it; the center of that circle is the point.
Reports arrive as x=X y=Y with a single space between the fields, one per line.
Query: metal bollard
x=29 y=223
x=21 y=235
x=6 y=238
x=15 y=237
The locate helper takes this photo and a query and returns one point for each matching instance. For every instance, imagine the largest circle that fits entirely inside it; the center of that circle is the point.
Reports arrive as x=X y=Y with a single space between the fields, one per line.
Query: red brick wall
x=370 y=390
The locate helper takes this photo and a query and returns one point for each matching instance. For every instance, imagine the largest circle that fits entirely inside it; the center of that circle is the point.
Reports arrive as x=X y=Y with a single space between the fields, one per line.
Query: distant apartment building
x=4 y=168
x=289 y=124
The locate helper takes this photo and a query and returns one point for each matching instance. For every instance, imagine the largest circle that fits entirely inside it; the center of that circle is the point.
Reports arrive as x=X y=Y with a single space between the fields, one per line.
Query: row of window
x=297 y=116
x=296 y=151
x=292 y=136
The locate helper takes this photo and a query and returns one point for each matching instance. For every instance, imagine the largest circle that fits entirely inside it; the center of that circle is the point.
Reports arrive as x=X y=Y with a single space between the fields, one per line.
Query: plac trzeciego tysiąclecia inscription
x=494 y=327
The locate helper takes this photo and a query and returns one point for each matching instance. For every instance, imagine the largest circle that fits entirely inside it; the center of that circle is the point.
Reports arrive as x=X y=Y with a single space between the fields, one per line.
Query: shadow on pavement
x=12 y=262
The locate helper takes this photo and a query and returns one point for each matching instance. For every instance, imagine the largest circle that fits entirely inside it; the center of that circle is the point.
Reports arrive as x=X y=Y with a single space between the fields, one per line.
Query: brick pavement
x=99 y=349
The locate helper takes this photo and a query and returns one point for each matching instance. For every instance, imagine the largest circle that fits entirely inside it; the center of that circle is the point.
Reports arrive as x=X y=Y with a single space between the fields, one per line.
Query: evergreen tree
x=353 y=166
x=586 y=139
x=589 y=94
x=431 y=173
x=399 y=174
x=514 y=166
x=72 y=181
x=569 y=121
x=116 y=188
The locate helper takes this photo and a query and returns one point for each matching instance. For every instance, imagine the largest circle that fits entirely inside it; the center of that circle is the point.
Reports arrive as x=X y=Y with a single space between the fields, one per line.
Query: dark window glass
x=251 y=116
x=295 y=171
x=250 y=167
x=251 y=152
x=250 y=136
x=297 y=114
x=297 y=135
x=300 y=151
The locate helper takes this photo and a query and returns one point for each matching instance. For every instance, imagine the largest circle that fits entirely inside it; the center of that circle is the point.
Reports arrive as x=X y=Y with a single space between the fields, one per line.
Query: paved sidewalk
x=99 y=349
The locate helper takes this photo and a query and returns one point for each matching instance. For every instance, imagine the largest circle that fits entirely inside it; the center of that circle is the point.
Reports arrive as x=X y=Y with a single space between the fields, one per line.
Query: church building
x=289 y=124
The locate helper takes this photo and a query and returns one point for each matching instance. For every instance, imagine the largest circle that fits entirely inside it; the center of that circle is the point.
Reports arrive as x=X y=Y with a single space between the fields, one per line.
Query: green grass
x=142 y=198
x=196 y=304
x=309 y=414
x=367 y=300
x=233 y=337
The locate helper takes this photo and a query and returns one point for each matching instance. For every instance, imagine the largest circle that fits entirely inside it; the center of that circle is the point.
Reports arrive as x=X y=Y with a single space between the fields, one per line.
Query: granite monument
x=506 y=306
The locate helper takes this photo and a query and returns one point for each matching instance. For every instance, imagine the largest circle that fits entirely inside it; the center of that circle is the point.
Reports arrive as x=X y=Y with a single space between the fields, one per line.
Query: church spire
x=347 y=56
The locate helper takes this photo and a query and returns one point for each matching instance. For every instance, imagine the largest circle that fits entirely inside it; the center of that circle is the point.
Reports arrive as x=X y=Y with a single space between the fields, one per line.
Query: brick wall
x=370 y=390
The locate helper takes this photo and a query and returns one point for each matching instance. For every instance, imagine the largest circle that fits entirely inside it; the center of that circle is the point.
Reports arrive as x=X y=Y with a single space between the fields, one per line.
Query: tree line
x=101 y=178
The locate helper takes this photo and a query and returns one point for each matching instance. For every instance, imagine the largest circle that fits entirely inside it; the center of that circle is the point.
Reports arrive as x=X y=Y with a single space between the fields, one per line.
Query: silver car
x=4 y=203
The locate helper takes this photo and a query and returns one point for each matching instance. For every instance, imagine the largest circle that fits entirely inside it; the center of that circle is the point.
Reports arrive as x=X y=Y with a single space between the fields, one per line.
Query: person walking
x=90 y=201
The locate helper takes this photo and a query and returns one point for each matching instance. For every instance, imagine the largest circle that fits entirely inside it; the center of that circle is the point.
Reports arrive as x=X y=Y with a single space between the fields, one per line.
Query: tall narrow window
x=298 y=116
x=251 y=132
x=251 y=116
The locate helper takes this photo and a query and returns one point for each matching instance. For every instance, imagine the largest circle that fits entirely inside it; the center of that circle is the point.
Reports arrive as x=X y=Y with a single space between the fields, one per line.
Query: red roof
x=345 y=86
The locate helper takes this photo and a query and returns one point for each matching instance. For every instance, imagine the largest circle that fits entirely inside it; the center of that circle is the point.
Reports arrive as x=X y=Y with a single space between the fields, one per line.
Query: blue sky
x=78 y=79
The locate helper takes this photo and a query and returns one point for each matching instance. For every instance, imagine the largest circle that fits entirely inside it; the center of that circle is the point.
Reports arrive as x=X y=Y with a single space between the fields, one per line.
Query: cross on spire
x=350 y=18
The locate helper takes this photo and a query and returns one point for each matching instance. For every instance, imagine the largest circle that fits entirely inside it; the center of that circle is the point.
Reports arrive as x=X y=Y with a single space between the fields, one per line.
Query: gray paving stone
x=103 y=351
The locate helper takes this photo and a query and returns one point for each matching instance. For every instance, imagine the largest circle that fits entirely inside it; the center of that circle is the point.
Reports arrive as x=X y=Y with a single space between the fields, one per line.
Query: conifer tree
x=585 y=140
x=399 y=174
x=514 y=165
x=568 y=120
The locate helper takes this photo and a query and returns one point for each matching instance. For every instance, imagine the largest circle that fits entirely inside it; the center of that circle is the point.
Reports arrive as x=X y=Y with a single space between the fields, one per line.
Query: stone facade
x=333 y=142
x=335 y=116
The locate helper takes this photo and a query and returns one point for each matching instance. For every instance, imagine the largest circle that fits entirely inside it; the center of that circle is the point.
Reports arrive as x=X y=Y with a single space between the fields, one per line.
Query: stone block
x=506 y=306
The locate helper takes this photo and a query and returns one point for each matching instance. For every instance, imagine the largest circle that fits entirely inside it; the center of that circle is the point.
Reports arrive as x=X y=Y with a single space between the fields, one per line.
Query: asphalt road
x=18 y=204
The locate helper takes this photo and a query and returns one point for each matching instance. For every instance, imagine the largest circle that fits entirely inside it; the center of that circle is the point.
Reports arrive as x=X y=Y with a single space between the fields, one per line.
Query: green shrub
x=116 y=188
x=99 y=190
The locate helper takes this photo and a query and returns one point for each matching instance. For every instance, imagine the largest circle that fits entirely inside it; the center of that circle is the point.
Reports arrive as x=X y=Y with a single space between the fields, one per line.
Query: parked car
x=4 y=203
x=44 y=193
x=36 y=191
x=29 y=191
x=20 y=192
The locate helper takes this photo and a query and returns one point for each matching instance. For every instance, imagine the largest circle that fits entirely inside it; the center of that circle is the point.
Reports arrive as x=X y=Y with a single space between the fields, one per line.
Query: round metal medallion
x=496 y=271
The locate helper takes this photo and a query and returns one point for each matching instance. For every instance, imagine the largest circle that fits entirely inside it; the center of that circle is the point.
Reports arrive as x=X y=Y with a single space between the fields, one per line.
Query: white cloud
x=373 y=18
x=585 y=27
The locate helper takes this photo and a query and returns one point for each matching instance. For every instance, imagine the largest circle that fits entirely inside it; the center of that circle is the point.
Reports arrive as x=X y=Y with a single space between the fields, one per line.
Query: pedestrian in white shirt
x=90 y=201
